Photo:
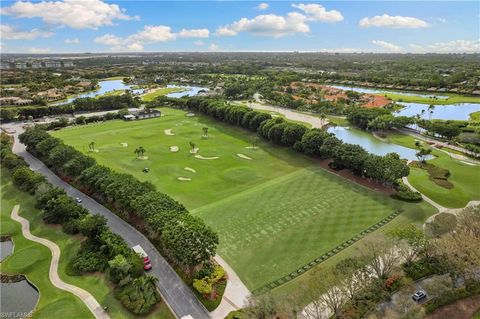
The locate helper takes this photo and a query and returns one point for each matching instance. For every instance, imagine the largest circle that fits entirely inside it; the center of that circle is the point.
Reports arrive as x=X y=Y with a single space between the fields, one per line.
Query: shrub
x=405 y=193
x=71 y=227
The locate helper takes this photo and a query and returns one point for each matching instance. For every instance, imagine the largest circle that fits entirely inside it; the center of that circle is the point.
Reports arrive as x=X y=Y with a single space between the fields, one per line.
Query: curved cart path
x=176 y=294
x=84 y=295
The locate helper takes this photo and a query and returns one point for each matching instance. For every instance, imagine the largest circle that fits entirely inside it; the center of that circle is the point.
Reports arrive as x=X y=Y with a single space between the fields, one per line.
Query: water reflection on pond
x=460 y=111
x=6 y=249
x=377 y=91
x=371 y=143
x=187 y=90
x=18 y=297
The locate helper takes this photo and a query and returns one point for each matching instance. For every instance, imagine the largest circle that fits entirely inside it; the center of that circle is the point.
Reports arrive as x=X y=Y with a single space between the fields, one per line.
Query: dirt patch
x=206 y=158
x=244 y=156
x=190 y=169
x=168 y=132
x=461 y=309
x=345 y=173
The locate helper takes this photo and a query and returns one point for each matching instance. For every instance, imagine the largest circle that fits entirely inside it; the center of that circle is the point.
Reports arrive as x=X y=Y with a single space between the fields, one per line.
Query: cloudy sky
x=338 y=26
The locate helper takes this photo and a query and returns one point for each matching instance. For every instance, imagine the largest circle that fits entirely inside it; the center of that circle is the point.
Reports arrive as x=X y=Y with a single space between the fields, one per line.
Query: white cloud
x=442 y=20
x=109 y=39
x=8 y=32
x=77 y=14
x=263 y=6
x=267 y=25
x=194 y=33
x=213 y=47
x=316 y=12
x=38 y=50
x=199 y=43
x=390 y=47
x=455 y=46
x=342 y=50
x=72 y=41
x=397 y=22
x=132 y=47
x=153 y=34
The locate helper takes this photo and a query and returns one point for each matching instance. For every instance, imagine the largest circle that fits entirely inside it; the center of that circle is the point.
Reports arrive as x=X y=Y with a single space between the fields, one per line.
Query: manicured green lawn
x=452 y=98
x=465 y=177
x=475 y=116
x=54 y=303
x=273 y=213
x=159 y=92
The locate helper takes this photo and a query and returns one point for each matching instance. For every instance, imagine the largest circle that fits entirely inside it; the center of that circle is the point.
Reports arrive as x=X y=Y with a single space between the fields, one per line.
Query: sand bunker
x=184 y=179
x=252 y=147
x=206 y=158
x=143 y=157
x=95 y=151
x=124 y=144
x=174 y=149
x=190 y=114
x=168 y=132
x=190 y=169
x=194 y=151
x=244 y=156
x=469 y=163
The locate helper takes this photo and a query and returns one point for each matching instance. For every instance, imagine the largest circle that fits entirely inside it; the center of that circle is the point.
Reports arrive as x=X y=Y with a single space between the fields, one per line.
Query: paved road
x=174 y=291
x=84 y=295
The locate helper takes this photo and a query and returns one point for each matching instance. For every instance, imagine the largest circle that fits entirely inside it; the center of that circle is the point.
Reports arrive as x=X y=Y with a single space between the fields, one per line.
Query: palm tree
x=431 y=107
x=322 y=118
x=418 y=144
x=254 y=142
x=205 y=132
x=192 y=146
x=423 y=112
x=140 y=151
x=91 y=146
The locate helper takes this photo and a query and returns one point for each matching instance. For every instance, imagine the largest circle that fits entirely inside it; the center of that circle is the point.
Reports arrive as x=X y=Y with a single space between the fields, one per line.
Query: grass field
x=54 y=303
x=452 y=98
x=465 y=177
x=273 y=213
x=159 y=92
x=475 y=116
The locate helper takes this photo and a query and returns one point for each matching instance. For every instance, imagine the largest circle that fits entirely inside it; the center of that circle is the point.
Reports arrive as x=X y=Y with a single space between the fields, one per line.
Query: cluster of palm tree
x=140 y=151
x=205 y=132
x=91 y=146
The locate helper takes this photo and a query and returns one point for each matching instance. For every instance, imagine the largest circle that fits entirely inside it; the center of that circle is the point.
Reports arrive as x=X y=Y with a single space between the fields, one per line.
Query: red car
x=147 y=264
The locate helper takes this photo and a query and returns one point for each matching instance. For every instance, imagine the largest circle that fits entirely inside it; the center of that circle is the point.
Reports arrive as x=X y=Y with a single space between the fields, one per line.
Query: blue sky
x=339 y=26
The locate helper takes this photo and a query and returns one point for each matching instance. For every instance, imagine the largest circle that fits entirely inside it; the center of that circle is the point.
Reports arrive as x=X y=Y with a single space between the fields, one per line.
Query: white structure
x=139 y=250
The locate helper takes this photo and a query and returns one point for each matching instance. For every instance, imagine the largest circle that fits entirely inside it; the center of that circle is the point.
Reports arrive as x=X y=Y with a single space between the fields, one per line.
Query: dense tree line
x=88 y=104
x=184 y=239
x=385 y=169
x=102 y=250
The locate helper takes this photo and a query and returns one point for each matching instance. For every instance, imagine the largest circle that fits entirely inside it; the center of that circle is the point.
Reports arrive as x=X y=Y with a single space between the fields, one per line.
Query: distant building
x=52 y=64
x=13 y=100
x=142 y=114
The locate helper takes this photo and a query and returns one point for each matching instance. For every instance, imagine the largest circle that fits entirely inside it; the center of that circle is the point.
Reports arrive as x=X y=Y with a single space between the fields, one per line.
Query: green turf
x=475 y=116
x=34 y=259
x=452 y=98
x=159 y=92
x=273 y=213
x=464 y=177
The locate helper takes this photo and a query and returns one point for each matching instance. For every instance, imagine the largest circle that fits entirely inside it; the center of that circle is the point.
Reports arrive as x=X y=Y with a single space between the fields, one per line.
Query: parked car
x=78 y=200
x=419 y=295
x=147 y=264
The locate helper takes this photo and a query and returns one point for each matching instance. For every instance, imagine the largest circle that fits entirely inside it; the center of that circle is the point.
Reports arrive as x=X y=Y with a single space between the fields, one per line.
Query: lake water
x=460 y=111
x=104 y=87
x=187 y=90
x=18 y=297
x=371 y=143
x=376 y=91
x=6 y=248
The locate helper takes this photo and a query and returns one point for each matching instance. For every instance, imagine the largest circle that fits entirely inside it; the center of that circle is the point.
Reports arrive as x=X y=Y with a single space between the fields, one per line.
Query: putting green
x=273 y=214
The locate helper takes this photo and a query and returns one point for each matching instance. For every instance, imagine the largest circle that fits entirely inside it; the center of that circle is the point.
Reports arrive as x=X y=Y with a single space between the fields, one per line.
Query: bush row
x=104 y=103
x=103 y=250
x=183 y=238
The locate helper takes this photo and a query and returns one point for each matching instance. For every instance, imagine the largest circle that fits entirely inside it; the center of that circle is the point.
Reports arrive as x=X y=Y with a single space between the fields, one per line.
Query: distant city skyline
x=77 y=26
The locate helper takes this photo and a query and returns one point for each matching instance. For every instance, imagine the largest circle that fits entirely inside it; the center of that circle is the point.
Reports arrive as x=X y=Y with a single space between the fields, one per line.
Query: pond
x=187 y=90
x=370 y=142
x=6 y=249
x=18 y=297
x=460 y=111
x=377 y=91
x=104 y=87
